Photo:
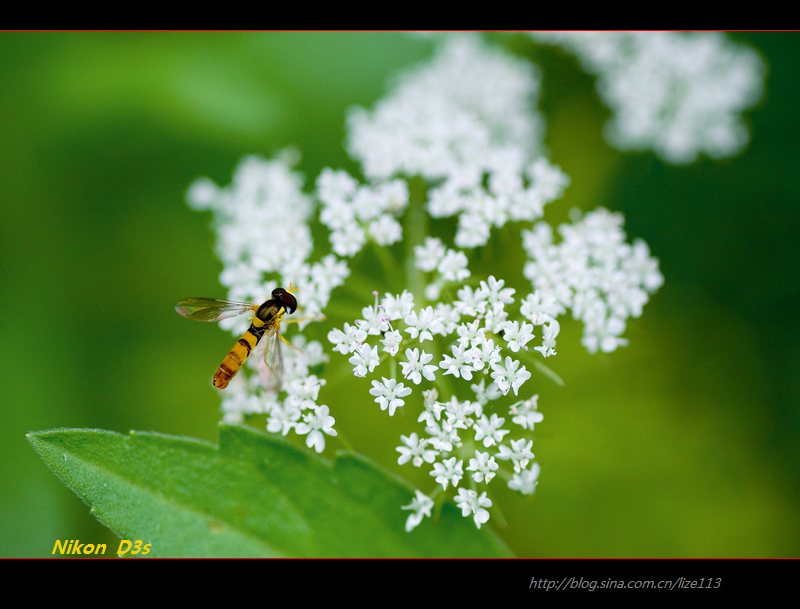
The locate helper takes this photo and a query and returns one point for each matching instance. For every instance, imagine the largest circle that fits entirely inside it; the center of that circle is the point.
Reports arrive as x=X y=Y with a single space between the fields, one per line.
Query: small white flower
x=374 y=321
x=525 y=482
x=548 y=180
x=366 y=205
x=448 y=472
x=494 y=317
x=389 y=394
x=460 y=365
x=391 y=342
x=458 y=413
x=517 y=336
x=429 y=396
x=314 y=425
x=468 y=332
x=238 y=401
x=433 y=409
x=325 y=275
x=385 y=230
x=415 y=451
x=305 y=388
x=510 y=375
x=335 y=185
x=484 y=466
x=495 y=292
x=549 y=333
x=243 y=278
x=470 y=302
x=421 y=506
x=444 y=437
x=348 y=240
x=283 y=418
x=424 y=324
x=347 y=341
x=474 y=229
x=449 y=316
x=453 y=266
x=364 y=360
x=541 y=306
x=202 y=194
x=484 y=353
x=471 y=503
x=489 y=430
x=337 y=214
x=519 y=453
x=417 y=366
x=397 y=307
x=429 y=255
x=526 y=415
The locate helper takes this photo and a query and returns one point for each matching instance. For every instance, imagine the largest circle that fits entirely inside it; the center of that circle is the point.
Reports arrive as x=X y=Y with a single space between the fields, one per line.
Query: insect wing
x=270 y=367
x=211 y=309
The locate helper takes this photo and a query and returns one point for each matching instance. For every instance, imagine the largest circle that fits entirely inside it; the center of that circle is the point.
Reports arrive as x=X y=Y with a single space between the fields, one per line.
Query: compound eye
x=288 y=301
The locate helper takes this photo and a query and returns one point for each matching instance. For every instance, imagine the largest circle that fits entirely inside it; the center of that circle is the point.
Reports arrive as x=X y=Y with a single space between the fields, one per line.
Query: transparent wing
x=211 y=309
x=270 y=368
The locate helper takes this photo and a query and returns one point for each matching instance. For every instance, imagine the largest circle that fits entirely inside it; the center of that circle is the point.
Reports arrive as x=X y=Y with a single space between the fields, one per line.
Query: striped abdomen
x=239 y=354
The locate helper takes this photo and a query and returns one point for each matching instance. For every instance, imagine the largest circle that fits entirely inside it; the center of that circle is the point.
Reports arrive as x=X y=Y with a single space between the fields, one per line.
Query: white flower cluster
x=593 y=272
x=678 y=94
x=468 y=112
x=510 y=196
x=261 y=222
x=466 y=120
x=354 y=212
x=299 y=410
x=482 y=346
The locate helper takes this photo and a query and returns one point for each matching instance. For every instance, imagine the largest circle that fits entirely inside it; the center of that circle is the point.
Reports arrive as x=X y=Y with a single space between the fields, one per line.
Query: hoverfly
x=266 y=320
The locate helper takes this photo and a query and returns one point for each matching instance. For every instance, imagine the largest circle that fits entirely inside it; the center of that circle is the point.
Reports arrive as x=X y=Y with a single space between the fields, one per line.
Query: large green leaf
x=254 y=495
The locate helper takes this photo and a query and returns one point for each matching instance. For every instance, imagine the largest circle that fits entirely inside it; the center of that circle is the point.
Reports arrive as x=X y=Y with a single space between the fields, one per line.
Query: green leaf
x=254 y=495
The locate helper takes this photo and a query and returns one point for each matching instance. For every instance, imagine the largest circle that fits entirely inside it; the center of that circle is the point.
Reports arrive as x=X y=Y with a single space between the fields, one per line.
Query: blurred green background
x=685 y=443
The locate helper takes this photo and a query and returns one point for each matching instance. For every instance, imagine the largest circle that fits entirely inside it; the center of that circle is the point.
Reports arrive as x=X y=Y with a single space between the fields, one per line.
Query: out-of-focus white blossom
x=469 y=111
x=593 y=272
x=679 y=94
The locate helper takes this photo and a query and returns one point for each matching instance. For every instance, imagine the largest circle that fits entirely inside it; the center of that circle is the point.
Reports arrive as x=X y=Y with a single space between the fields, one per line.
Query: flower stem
x=415 y=229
